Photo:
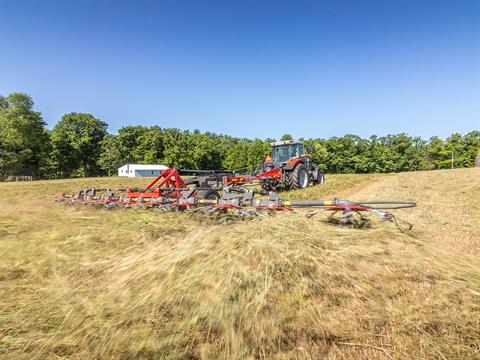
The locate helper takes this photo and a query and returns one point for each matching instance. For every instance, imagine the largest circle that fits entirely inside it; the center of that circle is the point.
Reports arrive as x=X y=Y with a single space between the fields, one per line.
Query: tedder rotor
x=169 y=191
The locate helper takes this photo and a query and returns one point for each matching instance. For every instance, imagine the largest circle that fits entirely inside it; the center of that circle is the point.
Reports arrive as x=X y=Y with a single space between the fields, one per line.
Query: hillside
x=85 y=283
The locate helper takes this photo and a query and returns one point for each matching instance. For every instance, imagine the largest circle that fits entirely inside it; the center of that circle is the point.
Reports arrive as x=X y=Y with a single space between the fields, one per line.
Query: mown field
x=86 y=283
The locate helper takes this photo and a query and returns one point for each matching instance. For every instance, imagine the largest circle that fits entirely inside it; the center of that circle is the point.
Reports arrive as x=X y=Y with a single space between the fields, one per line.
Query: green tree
x=129 y=139
x=318 y=151
x=76 y=140
x=149 y=145
x=437 y=155
x=236 y=157
x=206 y=154
x=79 y=145
x=455 y=148
x=471 y=143
x=257 y=150
x=178 y=149
x=24 y=141
x=110 y=157
x=341 y=153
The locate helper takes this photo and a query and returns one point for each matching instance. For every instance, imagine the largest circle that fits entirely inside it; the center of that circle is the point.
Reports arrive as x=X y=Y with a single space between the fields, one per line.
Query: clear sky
x=253 y=68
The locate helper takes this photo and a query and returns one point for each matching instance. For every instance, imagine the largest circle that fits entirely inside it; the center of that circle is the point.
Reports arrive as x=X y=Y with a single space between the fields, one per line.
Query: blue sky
x=311 y=68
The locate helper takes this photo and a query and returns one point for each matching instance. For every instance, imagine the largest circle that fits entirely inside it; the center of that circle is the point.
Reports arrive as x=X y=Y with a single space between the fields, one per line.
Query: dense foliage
x=79 y=145
x=24 y=141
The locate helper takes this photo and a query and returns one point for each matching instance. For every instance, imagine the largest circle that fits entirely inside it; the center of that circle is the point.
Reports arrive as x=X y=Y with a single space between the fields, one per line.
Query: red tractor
x=289 y=167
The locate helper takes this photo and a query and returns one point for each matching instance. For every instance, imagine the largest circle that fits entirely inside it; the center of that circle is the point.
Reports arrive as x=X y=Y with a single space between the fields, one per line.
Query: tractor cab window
x=283 y=153
x=280 y=153
x=296 y=150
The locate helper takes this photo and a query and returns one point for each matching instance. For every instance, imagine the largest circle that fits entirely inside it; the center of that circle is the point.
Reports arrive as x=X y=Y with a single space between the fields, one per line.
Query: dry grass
x=84 y=283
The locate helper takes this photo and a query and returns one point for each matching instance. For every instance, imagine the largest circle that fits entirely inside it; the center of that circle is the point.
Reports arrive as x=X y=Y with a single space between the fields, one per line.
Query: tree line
x=80 y=145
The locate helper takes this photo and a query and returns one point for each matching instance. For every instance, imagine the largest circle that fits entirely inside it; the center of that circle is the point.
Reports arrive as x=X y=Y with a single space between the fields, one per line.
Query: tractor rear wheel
x=298 y=178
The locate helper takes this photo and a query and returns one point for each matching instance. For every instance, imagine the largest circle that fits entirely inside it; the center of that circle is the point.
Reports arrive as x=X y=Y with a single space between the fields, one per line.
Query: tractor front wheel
x=298 y=178
x=320 y=177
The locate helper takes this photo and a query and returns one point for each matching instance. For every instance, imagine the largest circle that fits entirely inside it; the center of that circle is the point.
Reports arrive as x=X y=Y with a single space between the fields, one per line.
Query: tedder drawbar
x=169 y=191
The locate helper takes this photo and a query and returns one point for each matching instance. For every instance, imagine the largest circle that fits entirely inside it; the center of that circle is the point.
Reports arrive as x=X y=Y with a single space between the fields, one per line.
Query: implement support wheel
x=208 y=194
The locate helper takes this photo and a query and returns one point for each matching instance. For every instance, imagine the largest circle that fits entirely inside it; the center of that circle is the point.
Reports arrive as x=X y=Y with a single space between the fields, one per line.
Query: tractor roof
x=286 y=142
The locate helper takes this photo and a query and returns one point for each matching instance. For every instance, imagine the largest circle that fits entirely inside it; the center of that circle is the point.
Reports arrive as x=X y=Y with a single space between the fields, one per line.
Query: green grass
x=79 y=282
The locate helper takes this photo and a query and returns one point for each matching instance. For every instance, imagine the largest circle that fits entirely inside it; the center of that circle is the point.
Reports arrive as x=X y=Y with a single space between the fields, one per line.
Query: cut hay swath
x=169 y=192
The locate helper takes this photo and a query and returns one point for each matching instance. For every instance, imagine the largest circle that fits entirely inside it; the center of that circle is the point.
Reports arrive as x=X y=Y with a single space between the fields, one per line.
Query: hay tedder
x=216 y=193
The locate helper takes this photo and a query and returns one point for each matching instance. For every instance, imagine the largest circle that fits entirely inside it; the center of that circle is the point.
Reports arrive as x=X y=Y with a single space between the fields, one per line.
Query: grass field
x=85 y=283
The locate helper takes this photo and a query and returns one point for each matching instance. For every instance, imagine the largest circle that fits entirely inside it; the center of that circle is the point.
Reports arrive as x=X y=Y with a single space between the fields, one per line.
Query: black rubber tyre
x=298 y=178
x=265 y=185
x=320 y=177
x=208 y=195
x=269 y=185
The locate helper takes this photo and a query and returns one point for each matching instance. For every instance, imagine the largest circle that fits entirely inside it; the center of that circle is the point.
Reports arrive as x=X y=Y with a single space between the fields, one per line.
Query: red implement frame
x=275 y=173
x=169 y=178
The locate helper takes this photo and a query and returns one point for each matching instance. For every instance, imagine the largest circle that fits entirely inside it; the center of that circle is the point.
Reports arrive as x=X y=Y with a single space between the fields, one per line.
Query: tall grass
x=77 y=282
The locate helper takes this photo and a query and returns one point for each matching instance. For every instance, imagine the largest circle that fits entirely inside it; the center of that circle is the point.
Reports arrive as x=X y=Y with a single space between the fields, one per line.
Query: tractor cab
x=283 y=151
